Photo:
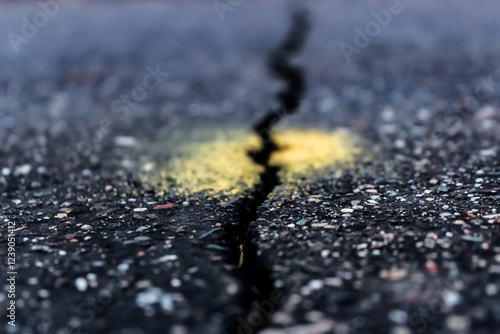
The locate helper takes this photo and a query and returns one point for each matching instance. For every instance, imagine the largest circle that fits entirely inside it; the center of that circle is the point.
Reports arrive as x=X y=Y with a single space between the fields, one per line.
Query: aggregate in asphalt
x=406 y=243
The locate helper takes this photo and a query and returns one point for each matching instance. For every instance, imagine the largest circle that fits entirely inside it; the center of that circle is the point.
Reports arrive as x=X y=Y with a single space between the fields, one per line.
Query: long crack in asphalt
x=255 y=275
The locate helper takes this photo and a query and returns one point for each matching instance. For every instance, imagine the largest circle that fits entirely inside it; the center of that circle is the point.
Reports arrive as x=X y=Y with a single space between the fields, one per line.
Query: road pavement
x=135 y=207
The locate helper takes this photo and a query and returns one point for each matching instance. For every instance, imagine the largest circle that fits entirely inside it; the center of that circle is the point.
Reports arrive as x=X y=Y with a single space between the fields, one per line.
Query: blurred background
x=63 y=65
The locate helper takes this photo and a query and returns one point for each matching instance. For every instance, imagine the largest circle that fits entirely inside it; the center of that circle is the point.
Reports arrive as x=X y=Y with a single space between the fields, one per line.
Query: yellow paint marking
x=242 y=256
x=306 y=153
x=217 y=162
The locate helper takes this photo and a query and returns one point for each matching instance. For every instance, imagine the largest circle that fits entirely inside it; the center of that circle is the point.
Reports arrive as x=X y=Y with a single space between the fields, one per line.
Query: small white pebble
x=125 y=141
x=451 y=298
x=232 y=288
x=400 y=330
x=43 y=293
x=81 y=284
x=123 y=266
x=398 y=316
x=22 y=170
x=491 y=289
x=142 y=284
x=457 y=322
x=315 y=284
x=33 y=280
x=148 y=297
x=175 y=282
x=91 y=276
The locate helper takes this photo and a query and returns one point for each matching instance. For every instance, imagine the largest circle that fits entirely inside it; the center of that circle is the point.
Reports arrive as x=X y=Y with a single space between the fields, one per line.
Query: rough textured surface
x=408 y=243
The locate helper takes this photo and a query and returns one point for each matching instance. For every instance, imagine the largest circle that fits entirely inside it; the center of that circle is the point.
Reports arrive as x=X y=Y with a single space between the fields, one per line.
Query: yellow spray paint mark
x=217 y=163
x=302 y=154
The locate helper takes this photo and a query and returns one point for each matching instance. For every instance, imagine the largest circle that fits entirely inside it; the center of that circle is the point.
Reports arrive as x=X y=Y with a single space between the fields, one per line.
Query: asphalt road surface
x=130 y=204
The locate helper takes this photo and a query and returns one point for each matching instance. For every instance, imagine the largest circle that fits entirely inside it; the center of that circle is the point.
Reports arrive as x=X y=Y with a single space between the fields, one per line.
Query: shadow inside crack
x=256 y=276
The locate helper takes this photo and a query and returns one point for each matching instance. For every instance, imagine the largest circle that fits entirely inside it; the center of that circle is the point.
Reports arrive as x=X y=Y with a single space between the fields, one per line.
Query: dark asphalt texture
x=409 y=243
